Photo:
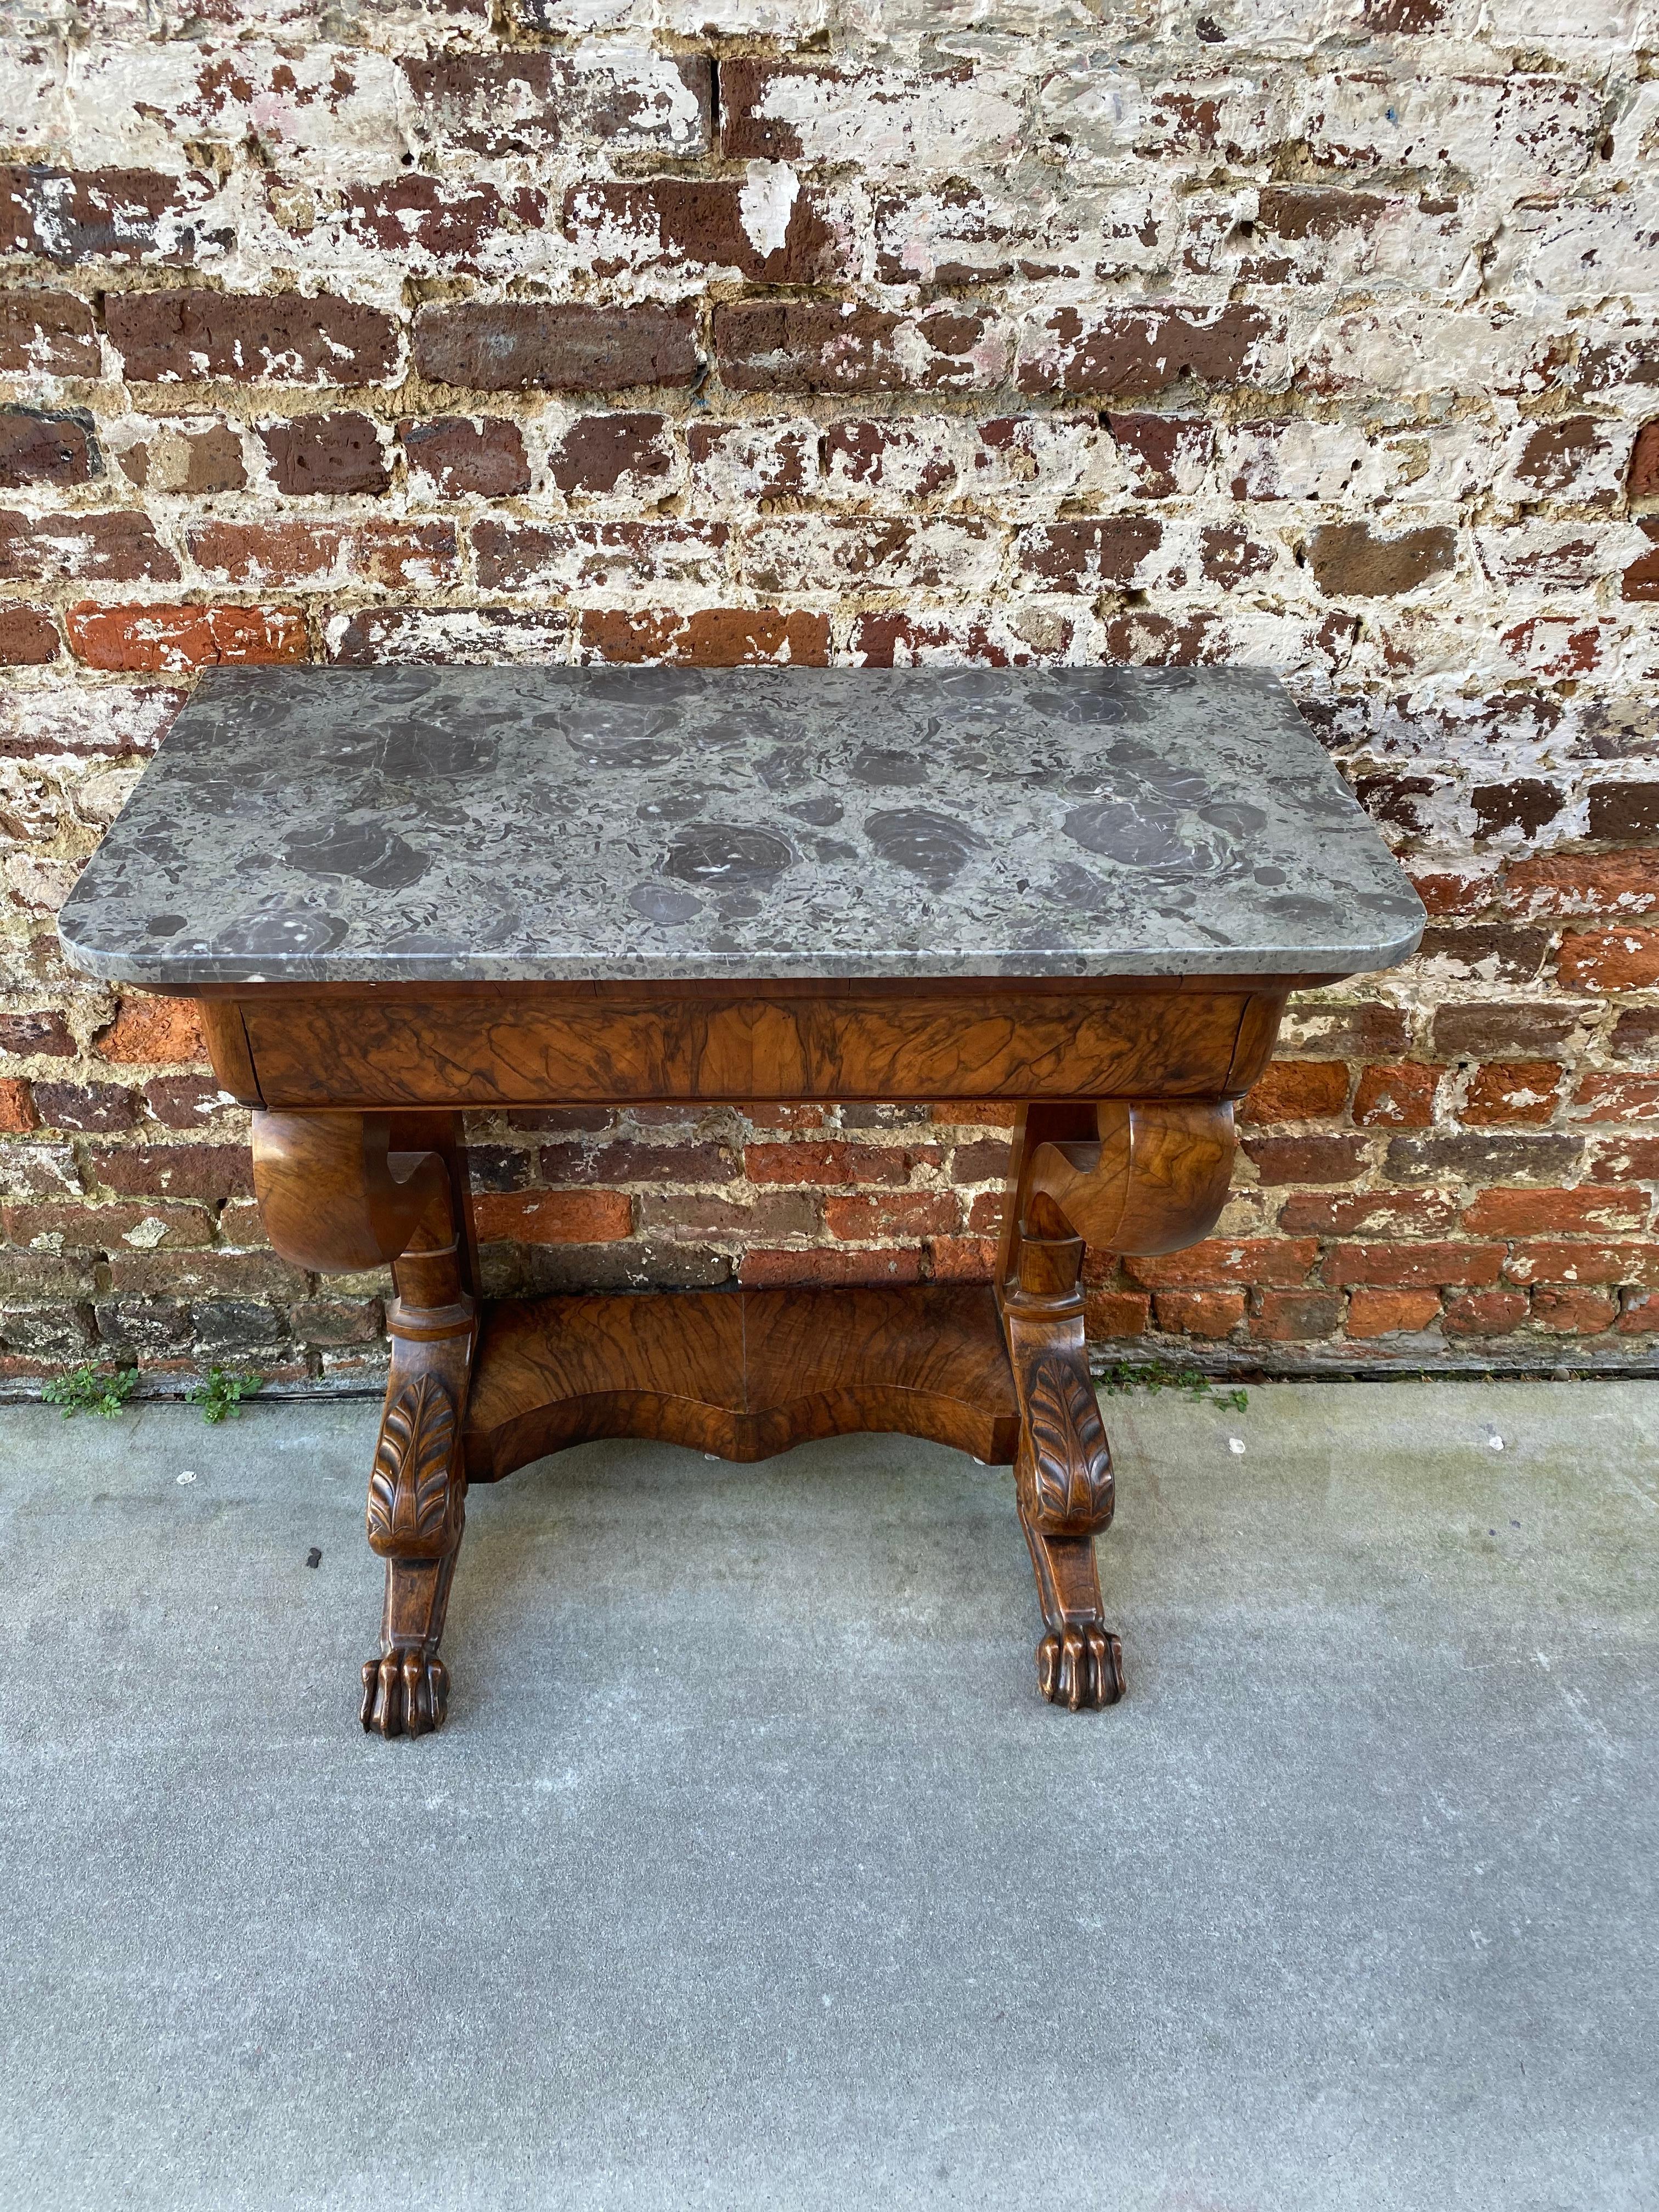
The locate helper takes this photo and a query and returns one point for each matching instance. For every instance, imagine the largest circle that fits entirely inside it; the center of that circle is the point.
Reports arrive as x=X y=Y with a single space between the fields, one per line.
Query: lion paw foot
x=404 y=1694
x=1080 y=1666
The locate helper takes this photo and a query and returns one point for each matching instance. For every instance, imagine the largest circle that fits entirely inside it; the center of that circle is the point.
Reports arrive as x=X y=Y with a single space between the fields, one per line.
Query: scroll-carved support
x=1127 y=1177
x=340 y=1191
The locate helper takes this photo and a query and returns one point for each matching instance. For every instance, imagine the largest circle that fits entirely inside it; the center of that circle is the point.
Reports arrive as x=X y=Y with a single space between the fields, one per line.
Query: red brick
x=899 y=641
x=985 y=1215
x=1513 y=1093
x=686 y=222
x=1295 y=1316
x=1350 y=561
x=554 y=1217
x=1135 y=350
x=1635 y=1034
x=1391 y=1313
x=29 y=637
x=454 y=455
x=818 y=345
x=1081 y=557
x=1617 y=1097
x=1368 y=1213
x=1403 y=1266
x=1583 y=1263
x=1640 y=1316
x=1488 y=954
x=1108 y=1314
x=104 y=1228
x=776 y=1270
x=443 y=224
x=281 y=338
x=906 y=459
x=1460 y=892
x=1641 y=579
x=1297 y=1090
x=1525 y=803
x=827 y=1163
x=1609 y=959
x=43 y=446
x=1591 y=1208
x=1281 y=1261
x=1584 y=883
x=116 y=547
x=154 y=1031
x=510 y=555
x=627 y=1160
x=42 y=1029
x=115 y=215
x=208 y=1172
x=599 y=452
x=411 y=556
x=97 y=1106
x=962 y=1259
x=1574 y=1312
x=713 y=637
x=1497 y=1030
x=530 y=102
x=742 y=464
x=1307 y=1159
x=1486 y=1313
x=337 y=452
x=903 y=1213
x=1198 y=1313
x=46 y=334
x=16 y=1107
x=1400 y=1097
x=785 y=1117
x=1635 y=1159
x=151 y=637
x=1643 y=481
x=516 y=345
x=185 y=1102
x=1624 y=812
x=443 y=637
x=1163 y=454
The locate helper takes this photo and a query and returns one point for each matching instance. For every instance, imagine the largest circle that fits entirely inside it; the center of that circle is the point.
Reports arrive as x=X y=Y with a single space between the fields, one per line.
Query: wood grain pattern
x=1125 y=1139
x=743 y=1374
x=996 y=1041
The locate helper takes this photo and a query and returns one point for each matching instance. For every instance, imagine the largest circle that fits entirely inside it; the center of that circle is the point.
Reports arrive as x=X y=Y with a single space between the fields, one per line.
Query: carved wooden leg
x=1136 y=1179
x=334 y=1195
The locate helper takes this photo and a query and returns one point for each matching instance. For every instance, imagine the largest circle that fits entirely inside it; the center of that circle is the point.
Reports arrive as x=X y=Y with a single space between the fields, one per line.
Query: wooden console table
x=401 y=893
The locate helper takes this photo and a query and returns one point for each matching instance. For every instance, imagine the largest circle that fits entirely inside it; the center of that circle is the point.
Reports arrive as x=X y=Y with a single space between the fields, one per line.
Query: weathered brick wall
x=1320 y=333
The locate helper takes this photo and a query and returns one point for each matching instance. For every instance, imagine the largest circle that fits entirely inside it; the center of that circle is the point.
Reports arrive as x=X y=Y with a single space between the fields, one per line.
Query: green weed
x=221 y=1393
x=88 y=1390
x=1119 y=1380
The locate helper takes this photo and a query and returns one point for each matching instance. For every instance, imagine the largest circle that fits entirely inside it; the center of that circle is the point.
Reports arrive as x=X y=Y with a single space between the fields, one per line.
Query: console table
x=401 y=893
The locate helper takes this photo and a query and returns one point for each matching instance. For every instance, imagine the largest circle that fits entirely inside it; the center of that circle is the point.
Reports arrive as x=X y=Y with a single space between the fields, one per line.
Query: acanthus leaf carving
x=409 y=1488
x=1070 y=1463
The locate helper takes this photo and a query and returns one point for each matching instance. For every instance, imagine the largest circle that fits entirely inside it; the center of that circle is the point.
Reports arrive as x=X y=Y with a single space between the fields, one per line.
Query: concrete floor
x=750 y=1870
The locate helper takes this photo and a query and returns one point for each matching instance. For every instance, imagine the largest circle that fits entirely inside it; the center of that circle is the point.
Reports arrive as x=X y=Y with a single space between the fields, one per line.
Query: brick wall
x=1319 y=333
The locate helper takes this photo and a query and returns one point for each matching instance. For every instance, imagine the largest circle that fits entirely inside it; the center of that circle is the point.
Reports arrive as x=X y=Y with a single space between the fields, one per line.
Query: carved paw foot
x=405 y=1694
x=1079 y=1666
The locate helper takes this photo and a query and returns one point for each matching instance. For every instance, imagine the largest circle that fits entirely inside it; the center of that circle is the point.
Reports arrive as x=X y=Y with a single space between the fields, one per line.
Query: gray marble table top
x=399 y=825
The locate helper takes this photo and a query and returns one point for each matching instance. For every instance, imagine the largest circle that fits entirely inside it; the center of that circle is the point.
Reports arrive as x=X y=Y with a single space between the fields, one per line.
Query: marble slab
x=400 y=824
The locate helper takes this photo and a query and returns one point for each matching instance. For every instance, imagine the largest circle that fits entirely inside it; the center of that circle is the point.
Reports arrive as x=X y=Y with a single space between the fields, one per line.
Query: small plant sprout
x=88 y=1391
x=1119 y=1380
x=221 y=1393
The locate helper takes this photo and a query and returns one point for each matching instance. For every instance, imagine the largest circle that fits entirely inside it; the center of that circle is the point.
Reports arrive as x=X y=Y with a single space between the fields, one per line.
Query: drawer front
x=508 y=1050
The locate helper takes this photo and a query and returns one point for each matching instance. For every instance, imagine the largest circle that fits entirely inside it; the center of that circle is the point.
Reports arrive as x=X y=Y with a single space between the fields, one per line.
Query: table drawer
x=508 y=1048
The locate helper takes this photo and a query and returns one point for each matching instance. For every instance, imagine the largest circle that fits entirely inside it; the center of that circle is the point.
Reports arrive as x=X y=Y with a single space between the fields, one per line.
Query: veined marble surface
x=396 y=824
